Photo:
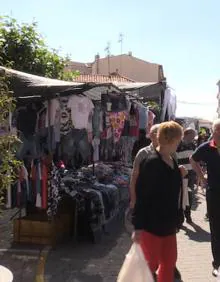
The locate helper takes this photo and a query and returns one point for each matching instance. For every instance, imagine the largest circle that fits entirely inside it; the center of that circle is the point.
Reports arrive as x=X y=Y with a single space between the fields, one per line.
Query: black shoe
x=215 y=272
x=177 y=274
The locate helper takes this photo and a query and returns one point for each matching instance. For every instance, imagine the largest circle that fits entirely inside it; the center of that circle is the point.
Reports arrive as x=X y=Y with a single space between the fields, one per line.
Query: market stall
x=76 y=156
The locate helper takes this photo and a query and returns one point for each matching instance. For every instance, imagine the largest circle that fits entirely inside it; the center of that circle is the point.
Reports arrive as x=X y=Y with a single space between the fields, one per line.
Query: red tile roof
x=98 y=78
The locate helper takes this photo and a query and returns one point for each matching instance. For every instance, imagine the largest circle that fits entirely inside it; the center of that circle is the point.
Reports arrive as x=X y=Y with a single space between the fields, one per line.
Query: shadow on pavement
x=87 y=262
x=198 y=234
x=197 y=199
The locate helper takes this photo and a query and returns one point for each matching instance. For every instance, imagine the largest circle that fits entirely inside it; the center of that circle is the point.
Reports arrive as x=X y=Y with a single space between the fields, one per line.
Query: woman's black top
x=159 y=194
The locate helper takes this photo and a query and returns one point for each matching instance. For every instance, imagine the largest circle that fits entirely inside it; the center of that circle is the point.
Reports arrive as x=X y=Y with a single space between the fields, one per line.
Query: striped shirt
x=184 y=152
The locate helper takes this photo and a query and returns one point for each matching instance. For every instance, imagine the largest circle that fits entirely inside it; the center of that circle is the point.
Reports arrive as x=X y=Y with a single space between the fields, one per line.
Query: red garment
x=21 y=174
x=212 y=144
x=160 y=252
x=134 y=123
x=44 y=184
x=33 y=179
x=44 y=174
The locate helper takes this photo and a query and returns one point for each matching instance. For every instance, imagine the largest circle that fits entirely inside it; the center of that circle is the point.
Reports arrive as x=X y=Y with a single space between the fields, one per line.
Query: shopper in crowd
x=209 y=153
x=142 y=154
x=157 y=211
x=184 y=152
x=142 y=142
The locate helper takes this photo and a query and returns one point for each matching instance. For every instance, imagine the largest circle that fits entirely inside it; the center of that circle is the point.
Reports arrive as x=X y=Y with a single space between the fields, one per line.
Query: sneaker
x=215 y=272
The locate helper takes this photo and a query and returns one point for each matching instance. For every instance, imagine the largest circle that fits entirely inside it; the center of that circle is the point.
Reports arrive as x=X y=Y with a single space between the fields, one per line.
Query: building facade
x=124 y=65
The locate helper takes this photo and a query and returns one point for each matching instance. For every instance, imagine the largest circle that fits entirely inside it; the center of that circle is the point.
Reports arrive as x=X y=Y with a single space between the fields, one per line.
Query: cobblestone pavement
x=101 y=262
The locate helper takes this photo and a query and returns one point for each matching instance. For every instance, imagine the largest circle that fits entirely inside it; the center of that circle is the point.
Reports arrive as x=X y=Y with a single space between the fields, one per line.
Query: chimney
x=130 y=53
x=97 y=57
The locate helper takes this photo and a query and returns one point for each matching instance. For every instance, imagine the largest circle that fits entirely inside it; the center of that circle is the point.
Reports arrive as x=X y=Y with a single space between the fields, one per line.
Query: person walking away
x=209 y=153
x=142 y=142
x=184 y=152
x=142 y=154
x=157 y=210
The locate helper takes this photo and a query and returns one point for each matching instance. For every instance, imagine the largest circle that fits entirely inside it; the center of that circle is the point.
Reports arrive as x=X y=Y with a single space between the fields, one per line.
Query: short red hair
x=168 y=132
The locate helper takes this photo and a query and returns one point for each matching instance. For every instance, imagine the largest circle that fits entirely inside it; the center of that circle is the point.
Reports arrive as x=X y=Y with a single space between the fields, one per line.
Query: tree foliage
x=8 y=141
x=23 y=48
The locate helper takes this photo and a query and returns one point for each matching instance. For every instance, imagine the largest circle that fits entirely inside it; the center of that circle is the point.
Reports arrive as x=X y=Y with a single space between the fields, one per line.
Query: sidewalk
x=194 y=258
x=21 y=260
x=101 y=262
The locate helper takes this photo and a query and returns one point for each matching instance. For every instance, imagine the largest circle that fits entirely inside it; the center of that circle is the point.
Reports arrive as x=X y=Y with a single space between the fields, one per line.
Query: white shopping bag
x=5 y=274
x=135 y=267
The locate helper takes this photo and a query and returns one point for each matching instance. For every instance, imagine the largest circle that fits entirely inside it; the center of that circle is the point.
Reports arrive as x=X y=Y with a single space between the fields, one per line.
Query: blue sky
x=180 y=35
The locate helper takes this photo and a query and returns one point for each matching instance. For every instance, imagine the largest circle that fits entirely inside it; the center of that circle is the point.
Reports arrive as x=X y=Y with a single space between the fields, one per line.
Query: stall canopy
x=28 y=85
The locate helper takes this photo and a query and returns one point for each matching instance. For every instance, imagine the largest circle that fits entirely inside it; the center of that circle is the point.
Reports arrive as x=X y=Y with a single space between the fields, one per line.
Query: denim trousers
x=75 y=142
x=28 y=145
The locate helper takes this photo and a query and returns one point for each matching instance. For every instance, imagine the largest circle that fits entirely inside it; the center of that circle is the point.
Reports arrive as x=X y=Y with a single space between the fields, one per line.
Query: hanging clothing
x=117 y=121
x=96 y=144
x=65 y=120
x=151 y=117
x=39 y=183
x=113 y=102
x=143 y=115
x=134 y=121
x=81 y=108
x=107 y=130
x=53 y=112
x=54 y=180
x=23 y=176
x=89 y=127
x=24 y=115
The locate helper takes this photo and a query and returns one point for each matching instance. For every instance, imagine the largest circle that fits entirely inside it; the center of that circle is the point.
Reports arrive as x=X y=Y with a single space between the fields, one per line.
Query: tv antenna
x=121 y=40
x=107 y=50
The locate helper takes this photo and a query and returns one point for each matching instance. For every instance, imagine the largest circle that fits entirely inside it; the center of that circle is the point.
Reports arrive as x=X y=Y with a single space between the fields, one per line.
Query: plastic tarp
x=24 y=84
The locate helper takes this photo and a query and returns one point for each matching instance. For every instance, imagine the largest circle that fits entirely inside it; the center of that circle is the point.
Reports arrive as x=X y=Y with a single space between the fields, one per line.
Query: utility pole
x=107 y=50
x=121 y=39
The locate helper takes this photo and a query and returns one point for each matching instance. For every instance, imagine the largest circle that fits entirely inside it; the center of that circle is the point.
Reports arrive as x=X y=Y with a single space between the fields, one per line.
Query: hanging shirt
x=26 y=121
x=65 y=119
x=107 y=131
x=81 y=108
x=54 y=111
x=134 y=122
x=117 y=121
x=143 y=113
x=95 y=144
x=151 y=117
x=41 y=119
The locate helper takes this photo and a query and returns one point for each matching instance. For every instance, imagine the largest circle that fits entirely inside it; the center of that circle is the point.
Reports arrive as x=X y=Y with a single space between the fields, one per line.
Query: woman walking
x=157 y=213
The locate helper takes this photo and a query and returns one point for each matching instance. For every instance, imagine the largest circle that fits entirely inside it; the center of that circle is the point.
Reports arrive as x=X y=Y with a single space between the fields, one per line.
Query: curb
x=41 y=264
x=21 y=251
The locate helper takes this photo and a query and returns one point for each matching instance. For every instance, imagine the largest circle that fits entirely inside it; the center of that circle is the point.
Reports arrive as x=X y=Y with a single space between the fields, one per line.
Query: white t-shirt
x=81 y=108
x=54 y=111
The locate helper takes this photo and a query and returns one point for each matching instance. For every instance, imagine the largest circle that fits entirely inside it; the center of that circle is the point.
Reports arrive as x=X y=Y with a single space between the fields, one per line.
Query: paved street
x=101 y=262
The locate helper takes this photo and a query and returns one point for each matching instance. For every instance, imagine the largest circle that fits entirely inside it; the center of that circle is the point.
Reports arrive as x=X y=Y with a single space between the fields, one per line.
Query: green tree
x=23 y=48
x=8 y=141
